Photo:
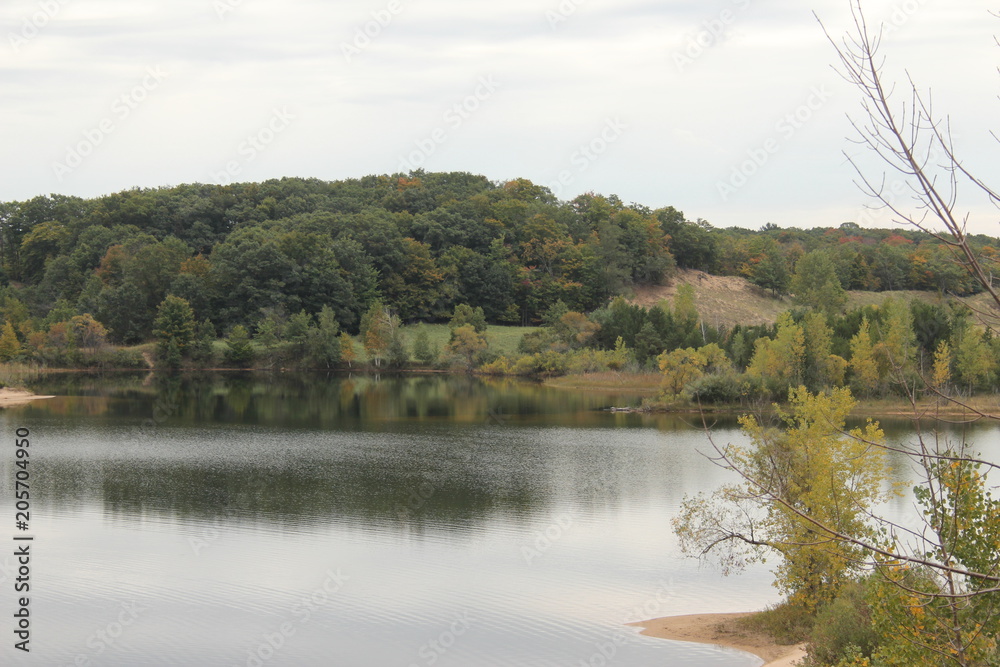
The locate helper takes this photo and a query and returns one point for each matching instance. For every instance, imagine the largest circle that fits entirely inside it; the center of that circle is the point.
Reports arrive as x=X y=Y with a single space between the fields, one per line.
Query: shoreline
x=722 y=630
x=10 y=397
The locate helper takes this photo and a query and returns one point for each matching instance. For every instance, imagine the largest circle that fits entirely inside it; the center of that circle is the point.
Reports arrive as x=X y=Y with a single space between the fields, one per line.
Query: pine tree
x=422 y=348
x=10 y=347
x=239 y=351
x=174 y=321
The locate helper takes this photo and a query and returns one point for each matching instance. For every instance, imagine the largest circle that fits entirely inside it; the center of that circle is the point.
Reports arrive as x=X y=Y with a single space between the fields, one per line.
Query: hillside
x=731 y=300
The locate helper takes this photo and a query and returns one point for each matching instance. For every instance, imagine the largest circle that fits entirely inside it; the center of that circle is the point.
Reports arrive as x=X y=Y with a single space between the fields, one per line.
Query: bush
x=499 y=366
x=535 y=342
x=716 y=388
x=843 y=628
x=785 y=622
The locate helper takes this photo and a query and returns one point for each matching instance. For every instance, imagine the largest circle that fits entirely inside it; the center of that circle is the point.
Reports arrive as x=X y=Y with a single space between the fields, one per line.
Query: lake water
x=251 y=520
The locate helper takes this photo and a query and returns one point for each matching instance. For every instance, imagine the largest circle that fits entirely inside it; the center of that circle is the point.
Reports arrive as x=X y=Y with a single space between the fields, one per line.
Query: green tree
x=822 y=369
x=943 y=611
x=239 y=349
x=422 y=347
x=201 y=351
x=297 y=333
x=324 y=340
x=170 y=357
x=896 y=351
x=768 y=267
x=974 y=359
x=465 y=314
x=174 y=322
x=816 y=284
x=270 y=330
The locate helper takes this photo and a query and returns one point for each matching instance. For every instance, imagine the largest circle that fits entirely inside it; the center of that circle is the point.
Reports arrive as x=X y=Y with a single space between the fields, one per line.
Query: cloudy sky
x=658 y=101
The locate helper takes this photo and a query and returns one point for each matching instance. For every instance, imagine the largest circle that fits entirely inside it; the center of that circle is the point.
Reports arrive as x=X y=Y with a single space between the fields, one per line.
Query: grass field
x=502 y=339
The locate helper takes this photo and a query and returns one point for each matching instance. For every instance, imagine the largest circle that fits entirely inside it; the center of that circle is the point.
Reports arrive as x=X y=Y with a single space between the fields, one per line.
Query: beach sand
x=10 y=396
x=720 y=629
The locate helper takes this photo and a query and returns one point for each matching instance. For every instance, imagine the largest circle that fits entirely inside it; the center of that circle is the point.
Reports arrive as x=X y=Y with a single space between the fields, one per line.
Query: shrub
x=716 y=388
x=843 y=628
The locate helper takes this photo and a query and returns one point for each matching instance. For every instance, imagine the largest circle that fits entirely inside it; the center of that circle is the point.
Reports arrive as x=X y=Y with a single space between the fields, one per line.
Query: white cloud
x=689 y=126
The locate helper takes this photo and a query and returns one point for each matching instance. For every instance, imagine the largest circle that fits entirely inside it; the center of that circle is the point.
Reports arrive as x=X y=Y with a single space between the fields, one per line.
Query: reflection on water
x=243 y=519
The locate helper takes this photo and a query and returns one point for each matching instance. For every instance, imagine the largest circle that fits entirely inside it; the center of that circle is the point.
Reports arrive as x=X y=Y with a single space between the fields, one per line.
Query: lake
x=242 y=519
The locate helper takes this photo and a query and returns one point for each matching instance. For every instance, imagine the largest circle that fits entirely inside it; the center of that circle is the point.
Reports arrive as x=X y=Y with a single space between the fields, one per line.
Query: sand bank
x=721 y=629
x=10 y=397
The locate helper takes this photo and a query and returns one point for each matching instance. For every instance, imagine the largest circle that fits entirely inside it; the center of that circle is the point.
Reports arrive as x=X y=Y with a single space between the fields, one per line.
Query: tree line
x=420 y=244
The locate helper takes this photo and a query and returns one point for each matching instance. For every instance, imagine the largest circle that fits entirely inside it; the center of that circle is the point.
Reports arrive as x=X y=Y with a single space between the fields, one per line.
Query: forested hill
x=422 y=243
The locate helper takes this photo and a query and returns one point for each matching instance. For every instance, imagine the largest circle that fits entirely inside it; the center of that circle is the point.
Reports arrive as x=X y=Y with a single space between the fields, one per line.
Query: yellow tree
x=679 y=367
x=778 y=362
x=798 y=484
x=347 y=352
x=379 y=327
x=822 y=368
x=941 y=371
x=468 y=345
x=683 y=366
x=863 y=366
x=896 y=352
x=974 y=360
x=10 y=347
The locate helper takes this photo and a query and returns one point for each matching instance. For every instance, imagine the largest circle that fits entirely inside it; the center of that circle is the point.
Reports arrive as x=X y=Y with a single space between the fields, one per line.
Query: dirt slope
x=726 y=300
x=731 y=300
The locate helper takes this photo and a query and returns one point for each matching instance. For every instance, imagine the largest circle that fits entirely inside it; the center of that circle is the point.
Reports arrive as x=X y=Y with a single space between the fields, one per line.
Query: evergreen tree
x=174 y=322
x=10 y=347
x=201 y=351
x=422 y=349
x=239 y=350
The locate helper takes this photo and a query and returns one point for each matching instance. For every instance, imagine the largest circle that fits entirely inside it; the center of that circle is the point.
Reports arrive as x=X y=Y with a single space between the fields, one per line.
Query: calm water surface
x=249 y=520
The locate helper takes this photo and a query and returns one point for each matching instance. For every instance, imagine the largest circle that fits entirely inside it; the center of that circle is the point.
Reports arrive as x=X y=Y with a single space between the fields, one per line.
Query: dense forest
x=418 y=244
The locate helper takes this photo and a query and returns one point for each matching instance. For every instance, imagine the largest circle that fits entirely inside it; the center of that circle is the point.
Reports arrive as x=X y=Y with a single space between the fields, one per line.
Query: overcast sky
x=657 y=101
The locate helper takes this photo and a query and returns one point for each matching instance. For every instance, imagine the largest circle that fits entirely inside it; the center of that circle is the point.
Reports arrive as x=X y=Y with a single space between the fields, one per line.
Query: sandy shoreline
x=721 y=630
x=10 y=397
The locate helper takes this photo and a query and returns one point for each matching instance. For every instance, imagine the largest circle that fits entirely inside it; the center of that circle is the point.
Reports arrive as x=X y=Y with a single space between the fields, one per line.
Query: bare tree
x=949 y=561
